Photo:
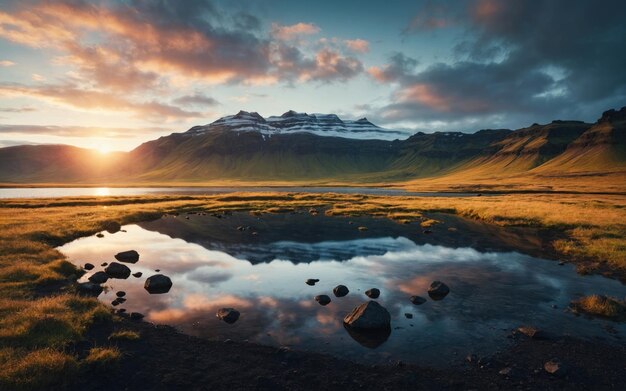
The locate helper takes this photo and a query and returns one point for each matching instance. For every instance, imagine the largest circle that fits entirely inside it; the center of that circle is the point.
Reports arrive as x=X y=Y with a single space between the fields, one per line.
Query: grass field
x=40 y=315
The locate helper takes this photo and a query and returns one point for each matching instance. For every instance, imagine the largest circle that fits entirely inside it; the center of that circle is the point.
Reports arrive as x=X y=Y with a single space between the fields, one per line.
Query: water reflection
x=491 y=292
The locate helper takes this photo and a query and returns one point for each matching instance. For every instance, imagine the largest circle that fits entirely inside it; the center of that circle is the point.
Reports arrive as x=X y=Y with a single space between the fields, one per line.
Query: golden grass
x=601 y=306
x=124 y=335
x=103 y=356
x=37 y=322
x=35 y=370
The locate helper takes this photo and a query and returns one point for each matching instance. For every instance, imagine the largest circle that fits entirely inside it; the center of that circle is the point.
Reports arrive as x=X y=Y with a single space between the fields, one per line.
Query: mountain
x=292 y=122
x=322 y=148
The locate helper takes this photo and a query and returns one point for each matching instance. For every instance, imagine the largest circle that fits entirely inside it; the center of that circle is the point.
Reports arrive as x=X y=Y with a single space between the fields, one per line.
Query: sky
x=113 y=74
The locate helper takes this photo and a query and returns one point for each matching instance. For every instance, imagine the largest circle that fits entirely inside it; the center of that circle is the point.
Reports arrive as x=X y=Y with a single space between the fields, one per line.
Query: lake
x=259 y=264
x=54 y=192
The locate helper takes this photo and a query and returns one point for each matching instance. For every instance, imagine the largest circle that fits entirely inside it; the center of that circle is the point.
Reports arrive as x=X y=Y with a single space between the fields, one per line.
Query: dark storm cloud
x=534 y=60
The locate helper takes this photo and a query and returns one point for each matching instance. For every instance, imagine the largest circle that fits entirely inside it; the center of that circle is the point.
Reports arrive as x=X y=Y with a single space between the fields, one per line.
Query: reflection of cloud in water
x=489 y=292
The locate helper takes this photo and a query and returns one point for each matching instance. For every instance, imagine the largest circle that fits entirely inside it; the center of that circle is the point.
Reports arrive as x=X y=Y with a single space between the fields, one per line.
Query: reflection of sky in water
x=491 y=293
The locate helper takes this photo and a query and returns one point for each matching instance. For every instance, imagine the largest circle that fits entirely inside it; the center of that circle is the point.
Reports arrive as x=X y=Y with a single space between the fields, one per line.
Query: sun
x=103 y=149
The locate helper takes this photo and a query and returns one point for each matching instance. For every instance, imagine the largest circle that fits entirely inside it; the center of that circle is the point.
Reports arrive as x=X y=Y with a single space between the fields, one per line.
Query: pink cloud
x=286 y=33
x=358 y=45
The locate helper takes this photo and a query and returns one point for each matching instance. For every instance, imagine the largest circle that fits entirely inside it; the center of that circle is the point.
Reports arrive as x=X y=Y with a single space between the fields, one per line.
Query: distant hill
x=322 y=148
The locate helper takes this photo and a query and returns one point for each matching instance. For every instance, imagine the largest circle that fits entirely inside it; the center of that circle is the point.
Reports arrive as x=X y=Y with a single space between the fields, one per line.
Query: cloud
x=17 y=109
x=358 y=45
x=78 y=131
x=196 y=99
x=287 y=33
x=37 y=77
x=76 y=97
x=6 y=63
x=399 y=67
x=514 y=64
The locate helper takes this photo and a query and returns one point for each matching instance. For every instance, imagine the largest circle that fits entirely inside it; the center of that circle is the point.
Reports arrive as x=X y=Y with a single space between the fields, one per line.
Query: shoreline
x=52 y=277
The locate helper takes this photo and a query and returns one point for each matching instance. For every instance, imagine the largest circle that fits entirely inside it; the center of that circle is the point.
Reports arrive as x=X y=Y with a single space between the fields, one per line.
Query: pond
x=259 y=264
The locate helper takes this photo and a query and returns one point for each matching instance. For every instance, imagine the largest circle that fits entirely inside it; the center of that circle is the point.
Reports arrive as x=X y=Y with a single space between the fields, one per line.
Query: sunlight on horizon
x=102 y=191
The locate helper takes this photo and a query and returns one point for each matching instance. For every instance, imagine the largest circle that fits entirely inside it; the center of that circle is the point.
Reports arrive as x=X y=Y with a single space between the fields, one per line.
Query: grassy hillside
x=562 y=155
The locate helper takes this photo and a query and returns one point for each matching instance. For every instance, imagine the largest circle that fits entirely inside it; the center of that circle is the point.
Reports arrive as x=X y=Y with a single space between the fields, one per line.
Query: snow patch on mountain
x=328 y=125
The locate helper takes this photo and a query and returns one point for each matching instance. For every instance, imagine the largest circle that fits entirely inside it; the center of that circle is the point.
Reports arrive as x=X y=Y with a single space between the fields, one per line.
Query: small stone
x=99 y=235
x=88 y=266
x=408 y=315
x=120 y=294
x=130 y=256
x=322 y=299
x=438 y=290
x=138 y=274
x=362 y=228
x=112 y=227
x=103 y=264
x=417 y=300
x=555 y=367
x=117 y=270
x=341 y=290
x=372 y=293
x=99 y=277
x=506 y=371
x=471 y=358
x=427 y=231
x=228 y=315
x=311 y=281
x=158 y=284
x=531 y=332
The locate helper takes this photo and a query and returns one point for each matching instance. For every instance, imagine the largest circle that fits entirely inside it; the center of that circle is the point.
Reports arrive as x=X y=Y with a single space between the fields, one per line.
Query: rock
x=341 y=290
x=112 y=227
x=531 y=332
x=120 y=294
x=136 y=316
x=157 y=270
x=88 y=266
x=507 y=371
x=115 y=303
x=103 y=264
x=372 y=293
x=438 y=290
x=89 y=289
x=158 y=284
x=427 y=231
x=130 y=256
x=121 y=300
x=555 y=367
x=417 y=300
x=322 y=299
x=311 y=281
x=370 y=338
x=99 y=277
x=362 y=228
x=99 y=235
x=117 y=270
x=228 y=315
x=471 y=358
x=408 y=315
x=369 y=315
x=121 y=311
x=138 y=274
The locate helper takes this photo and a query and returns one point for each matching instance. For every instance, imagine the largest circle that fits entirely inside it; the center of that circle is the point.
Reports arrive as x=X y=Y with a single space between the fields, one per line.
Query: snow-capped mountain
x=293 y=122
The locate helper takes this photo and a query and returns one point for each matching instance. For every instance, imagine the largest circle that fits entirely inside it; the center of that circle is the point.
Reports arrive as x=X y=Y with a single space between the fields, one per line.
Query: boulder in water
x=438 y=290
x=117 y=270
x=228 y=315
x=158 y=284
x=369 y=315
x=341 y=290
x=130 y=256
x=373 y=293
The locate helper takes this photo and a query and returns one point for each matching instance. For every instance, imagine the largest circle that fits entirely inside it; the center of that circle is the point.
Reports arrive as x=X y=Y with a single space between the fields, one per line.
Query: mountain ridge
x=232 y=149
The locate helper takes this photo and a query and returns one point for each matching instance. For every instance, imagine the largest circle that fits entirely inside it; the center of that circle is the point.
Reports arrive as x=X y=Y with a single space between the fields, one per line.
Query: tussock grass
x=124 y=335
x=601 y=306
x=35 y=370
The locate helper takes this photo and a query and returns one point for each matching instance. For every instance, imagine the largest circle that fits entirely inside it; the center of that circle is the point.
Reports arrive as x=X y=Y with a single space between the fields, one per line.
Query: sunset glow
x=69 y=67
